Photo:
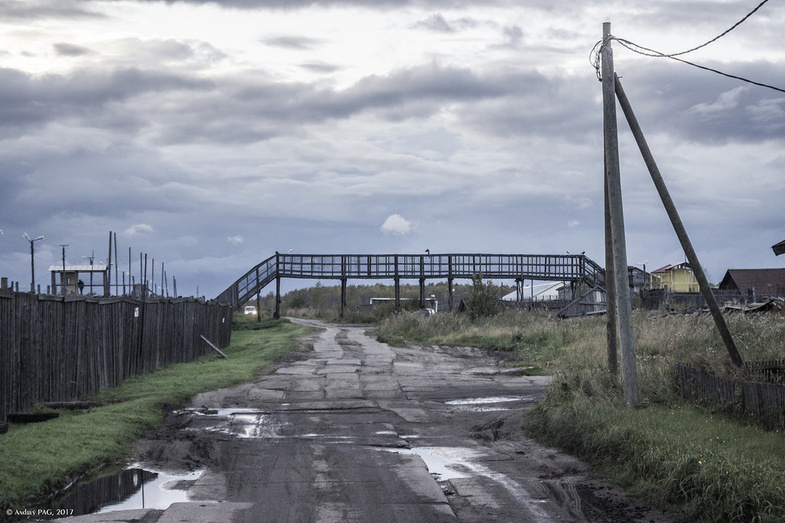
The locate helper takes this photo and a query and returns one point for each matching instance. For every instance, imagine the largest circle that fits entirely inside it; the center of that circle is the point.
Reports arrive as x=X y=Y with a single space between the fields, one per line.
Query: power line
x=594 y=55
x=628 y=44
x=734 y=26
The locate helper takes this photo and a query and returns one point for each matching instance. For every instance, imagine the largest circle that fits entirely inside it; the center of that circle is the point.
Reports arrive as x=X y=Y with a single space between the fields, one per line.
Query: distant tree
x=483 y=298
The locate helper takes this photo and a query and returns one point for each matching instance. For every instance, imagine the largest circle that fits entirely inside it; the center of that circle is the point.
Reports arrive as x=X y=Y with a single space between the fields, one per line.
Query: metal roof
x=78 y=268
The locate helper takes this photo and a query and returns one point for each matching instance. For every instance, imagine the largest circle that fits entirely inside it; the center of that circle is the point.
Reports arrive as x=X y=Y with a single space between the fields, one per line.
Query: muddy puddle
x=486 y=404
x=444 y=463
x=126 y=489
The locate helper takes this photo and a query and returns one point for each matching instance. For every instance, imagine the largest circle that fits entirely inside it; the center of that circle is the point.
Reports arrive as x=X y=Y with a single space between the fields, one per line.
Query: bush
x=484 y=299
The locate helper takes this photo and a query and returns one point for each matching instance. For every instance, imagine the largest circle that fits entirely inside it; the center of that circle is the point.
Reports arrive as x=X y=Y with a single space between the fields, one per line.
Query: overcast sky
x=211 y=134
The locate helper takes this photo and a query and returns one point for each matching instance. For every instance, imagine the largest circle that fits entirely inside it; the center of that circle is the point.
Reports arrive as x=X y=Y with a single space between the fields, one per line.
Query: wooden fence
x=57 y=349
x=762 y=402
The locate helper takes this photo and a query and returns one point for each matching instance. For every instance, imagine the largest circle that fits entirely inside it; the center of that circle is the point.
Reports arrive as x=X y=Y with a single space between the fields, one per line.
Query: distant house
x=675 y=278
x=759 y=283
x=540 y=292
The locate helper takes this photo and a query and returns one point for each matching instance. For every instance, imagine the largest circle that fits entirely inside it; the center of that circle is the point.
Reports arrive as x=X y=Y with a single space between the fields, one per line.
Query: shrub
x=484 y=299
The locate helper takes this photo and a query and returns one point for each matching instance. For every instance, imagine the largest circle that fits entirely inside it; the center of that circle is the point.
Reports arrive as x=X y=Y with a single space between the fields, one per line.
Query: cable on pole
x=595 y=54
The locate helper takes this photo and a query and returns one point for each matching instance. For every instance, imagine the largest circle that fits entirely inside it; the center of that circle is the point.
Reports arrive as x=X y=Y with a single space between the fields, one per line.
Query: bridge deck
x=546 y=267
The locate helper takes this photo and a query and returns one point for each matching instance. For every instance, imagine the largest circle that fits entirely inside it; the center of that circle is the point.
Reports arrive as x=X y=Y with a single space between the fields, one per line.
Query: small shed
x=80 y=279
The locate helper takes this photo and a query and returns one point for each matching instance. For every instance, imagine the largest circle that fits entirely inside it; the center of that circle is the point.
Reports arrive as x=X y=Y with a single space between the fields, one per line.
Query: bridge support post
x=422 y=282
x=449 y=283
x=343 y=297
x=277 y=313
x=397 y=288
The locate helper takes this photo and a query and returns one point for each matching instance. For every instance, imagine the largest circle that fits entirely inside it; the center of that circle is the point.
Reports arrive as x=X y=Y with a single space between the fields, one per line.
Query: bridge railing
x=546 y=267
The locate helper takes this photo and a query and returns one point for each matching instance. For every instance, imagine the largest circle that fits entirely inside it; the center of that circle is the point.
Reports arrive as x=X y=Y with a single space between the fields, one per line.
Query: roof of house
x=682 y=265
x=764 y=281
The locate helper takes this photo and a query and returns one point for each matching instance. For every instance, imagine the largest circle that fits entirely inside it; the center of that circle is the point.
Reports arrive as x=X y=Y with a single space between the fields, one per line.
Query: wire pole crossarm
x=678 y=226
x=615 y=210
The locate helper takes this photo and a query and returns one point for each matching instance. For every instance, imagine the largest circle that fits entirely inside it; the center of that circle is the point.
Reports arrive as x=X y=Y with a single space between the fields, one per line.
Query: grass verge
x=681 y=457
x=39 y=458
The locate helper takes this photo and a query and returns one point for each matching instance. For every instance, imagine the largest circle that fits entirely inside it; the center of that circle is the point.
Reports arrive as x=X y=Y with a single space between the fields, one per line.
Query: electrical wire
x=595 y=54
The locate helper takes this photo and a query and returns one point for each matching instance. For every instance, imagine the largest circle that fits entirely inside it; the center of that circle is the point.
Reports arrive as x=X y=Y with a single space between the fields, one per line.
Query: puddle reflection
x=127 y=489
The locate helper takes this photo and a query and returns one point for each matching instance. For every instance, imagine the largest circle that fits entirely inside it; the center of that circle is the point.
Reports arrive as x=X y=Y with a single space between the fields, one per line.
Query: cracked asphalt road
x=357 y=431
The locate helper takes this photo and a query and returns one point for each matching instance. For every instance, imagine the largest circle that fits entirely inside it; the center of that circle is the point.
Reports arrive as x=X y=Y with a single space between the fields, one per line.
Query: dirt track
x=355 y=431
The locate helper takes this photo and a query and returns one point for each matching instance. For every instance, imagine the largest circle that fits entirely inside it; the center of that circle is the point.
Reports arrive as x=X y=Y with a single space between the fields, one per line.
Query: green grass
x=39 y=457
x=681 y=457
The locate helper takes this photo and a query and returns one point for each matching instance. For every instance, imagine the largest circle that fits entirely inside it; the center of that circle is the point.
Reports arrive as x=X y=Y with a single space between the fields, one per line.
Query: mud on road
x=352 y=430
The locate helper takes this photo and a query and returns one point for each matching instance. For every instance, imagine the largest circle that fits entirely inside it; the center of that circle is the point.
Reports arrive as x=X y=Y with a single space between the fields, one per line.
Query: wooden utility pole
x=612 y=330
x=616 y=219
x=678 y=226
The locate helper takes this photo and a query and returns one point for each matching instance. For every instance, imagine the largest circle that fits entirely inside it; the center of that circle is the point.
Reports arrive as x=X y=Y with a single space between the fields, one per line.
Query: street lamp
x=32 y=259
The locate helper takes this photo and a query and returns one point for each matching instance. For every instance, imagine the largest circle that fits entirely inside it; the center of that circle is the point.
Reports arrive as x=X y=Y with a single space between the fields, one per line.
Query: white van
x=249 y=309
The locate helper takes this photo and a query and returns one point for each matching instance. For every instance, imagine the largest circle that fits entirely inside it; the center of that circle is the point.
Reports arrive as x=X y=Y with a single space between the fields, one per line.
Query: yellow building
x=675 y=278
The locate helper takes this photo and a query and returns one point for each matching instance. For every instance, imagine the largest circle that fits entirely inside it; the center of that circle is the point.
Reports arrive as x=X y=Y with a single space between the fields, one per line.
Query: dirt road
x=352 y=430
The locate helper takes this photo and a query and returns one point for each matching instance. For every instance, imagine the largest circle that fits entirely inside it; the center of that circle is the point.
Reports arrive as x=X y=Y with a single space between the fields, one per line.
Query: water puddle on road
x=443 y=463
x=487 y=404
x=242 y=423
x=130 y=488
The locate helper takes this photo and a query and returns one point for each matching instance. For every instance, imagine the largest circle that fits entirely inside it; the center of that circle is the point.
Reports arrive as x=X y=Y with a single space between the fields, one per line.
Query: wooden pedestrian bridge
x=572 y=268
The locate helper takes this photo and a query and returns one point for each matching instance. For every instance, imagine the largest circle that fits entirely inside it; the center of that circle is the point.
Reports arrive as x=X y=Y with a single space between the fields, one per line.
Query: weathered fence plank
x=762 y=402
x=55 y=349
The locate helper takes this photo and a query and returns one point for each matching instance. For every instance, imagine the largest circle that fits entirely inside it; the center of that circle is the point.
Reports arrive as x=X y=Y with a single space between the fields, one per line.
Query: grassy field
x=682 y=457
x=37 y=458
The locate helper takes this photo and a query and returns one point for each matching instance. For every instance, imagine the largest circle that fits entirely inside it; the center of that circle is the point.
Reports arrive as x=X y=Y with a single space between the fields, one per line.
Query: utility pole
x=678 y=226
x=616 y=219
x=32 y=259
x=62 y=275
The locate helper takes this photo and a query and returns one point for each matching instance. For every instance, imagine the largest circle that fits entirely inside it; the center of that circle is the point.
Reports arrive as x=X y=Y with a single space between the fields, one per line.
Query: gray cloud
x=66 y=9
x=297 y=43
x=704 y=107
x=436 y=23
x=27 y=100
x=64 y=49
x=192 y=144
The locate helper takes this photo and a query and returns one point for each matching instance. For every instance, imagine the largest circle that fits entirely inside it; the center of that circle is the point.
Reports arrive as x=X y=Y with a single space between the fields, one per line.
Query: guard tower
x=80 y=279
